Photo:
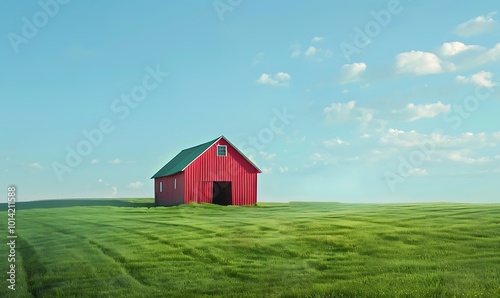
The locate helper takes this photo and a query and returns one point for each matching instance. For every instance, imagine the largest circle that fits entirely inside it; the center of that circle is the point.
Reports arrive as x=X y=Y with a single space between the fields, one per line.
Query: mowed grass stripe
x=68 y=262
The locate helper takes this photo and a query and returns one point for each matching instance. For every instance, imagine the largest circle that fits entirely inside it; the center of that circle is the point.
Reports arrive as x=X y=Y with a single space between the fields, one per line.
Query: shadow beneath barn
x=66 y=203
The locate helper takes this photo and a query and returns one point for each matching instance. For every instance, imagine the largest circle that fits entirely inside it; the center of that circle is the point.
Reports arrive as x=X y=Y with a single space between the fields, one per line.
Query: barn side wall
x=209 y=167
x=169 y=195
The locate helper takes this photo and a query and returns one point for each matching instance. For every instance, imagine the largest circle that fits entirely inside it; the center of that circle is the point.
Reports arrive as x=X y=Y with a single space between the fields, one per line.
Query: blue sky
x=350 y=101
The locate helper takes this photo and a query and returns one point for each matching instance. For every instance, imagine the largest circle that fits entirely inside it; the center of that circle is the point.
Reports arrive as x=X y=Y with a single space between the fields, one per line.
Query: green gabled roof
x=183 y=159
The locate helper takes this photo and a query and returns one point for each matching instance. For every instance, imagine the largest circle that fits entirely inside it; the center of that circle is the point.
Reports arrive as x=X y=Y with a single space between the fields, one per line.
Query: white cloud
x=311 y=51
x=36 y=166
x=483 y=56
x=492 y=54
x=455 y=56
x=266 y=155
x=266 y=79
x=366 y=119
x=284 y=169
x=258 y=58
x=370 y=119
x=328 y=53
x=341 y=112
x=136 y=184
x=365 y=136
x=434 y=147
x=335 y=142
x=102 y=182
x=462 y=79
x=399 y=138
x=295 y=137
x=296 y=53
x=281 y=78
x=482 y=78
x=376 y=155
x=321 y=54
x=417 y=172
x=94 y=161
x=353 y=158
x=407 y=139
x=115 y=161
x=414 y=112
x=351 y=72
x=267 y=170
x=114 y=191
x=317 y=39
x=338 y=112
x=418 y=63
x=459 y=157
x=454 y=48
x=478 y=25
x=323 y=158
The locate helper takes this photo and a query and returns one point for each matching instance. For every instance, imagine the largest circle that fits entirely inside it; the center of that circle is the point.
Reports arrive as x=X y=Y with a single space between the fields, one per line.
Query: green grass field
x=123 y=248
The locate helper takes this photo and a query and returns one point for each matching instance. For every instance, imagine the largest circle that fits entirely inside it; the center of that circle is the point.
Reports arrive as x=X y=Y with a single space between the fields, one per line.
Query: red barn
x=214 y=172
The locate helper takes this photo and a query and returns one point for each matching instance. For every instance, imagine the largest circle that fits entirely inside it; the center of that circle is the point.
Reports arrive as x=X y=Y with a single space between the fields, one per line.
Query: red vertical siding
x=205 y=194
x=209 y=167
x=170 y=195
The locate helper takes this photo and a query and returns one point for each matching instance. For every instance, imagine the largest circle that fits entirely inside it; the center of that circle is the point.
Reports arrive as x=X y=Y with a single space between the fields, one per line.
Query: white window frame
x=175 y=183
x=225 y=146
x=161 y=186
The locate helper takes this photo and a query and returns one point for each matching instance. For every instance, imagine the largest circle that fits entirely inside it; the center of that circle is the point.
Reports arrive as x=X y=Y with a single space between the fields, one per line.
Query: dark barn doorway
x=221 y=193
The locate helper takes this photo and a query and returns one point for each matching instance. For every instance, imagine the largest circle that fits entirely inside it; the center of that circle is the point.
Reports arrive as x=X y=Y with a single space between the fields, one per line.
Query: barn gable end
x=212 y=172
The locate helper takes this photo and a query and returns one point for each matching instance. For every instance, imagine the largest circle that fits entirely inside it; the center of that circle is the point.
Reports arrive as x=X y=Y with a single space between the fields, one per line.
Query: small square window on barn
x=161 y=186
x=221 y=150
